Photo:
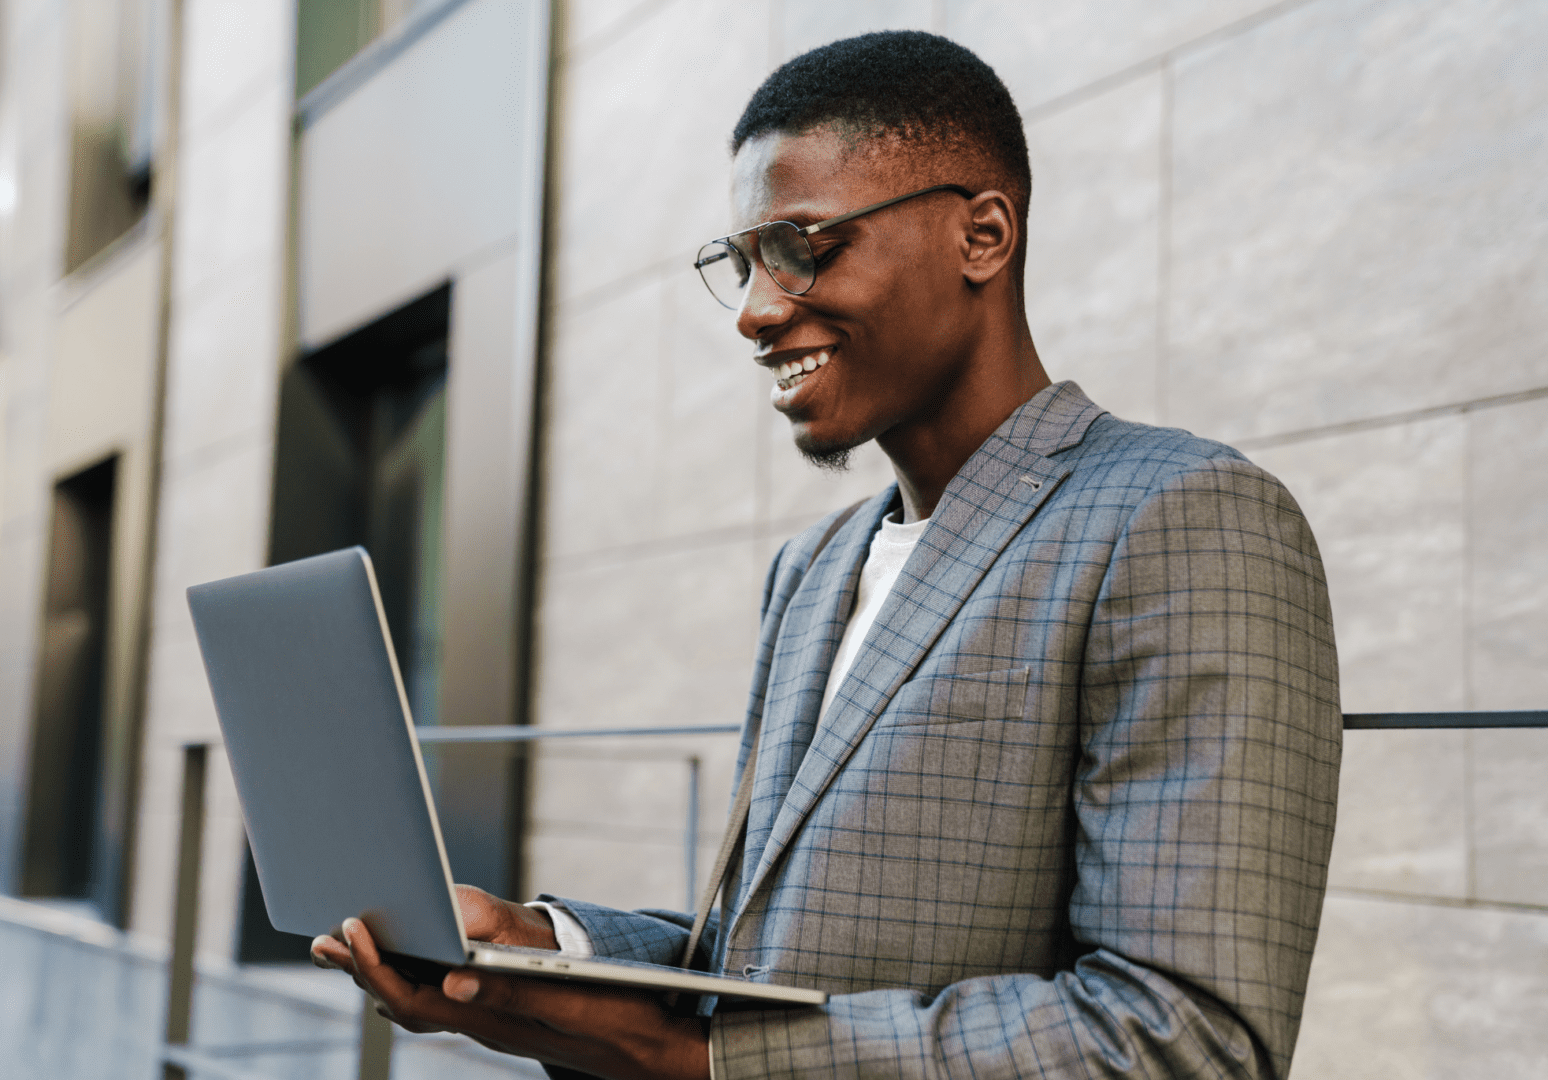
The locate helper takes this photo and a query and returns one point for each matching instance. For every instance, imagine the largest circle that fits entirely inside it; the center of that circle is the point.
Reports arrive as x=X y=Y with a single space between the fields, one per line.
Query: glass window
x=65 y=762
x=330 y=32
x=360 y=458
x=117 y=86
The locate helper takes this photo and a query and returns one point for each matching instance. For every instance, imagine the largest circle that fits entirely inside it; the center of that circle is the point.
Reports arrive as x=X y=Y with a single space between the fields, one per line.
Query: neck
x=927 y=455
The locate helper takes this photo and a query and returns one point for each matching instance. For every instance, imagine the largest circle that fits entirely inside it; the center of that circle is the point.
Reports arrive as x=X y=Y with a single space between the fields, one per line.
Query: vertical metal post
x=375 y=1043
x=691 y=835
x=185 y=912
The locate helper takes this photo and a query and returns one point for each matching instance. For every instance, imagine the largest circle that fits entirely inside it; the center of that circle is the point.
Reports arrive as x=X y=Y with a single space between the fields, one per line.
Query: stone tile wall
x=222 y=372
x=34 y=159
x=1309 y=228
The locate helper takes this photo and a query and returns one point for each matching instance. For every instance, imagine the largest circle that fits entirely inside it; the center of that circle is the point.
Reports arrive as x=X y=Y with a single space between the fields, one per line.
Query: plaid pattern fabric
x=1070 y=812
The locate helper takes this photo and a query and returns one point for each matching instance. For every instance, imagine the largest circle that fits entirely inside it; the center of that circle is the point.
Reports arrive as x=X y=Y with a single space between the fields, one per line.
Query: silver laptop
x=333 y=788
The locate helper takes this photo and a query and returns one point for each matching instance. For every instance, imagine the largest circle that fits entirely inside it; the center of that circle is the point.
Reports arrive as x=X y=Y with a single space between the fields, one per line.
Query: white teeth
x=790 y=374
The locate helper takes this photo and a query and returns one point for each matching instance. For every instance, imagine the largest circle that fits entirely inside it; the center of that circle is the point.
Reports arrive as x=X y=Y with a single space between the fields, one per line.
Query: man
x=1047 y=733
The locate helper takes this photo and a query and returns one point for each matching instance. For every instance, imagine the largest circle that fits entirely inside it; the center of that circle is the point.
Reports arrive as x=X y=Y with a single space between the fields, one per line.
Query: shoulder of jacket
x=1146 y=457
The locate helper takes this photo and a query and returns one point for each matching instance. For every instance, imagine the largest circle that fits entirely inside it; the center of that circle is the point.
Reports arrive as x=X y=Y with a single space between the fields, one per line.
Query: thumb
x=461 y=985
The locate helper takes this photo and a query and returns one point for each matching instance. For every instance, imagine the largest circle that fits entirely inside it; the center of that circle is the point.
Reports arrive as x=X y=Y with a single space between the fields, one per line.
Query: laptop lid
x=339 y=812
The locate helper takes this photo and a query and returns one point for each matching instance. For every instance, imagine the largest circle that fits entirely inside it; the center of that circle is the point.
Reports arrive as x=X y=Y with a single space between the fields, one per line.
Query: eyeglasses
x=784 y=250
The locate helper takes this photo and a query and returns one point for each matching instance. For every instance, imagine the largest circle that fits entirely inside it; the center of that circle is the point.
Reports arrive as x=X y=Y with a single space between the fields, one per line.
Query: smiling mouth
x=793 y=373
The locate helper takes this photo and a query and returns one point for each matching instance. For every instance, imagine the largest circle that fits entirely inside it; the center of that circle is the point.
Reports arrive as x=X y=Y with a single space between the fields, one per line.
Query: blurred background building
x=278 y=277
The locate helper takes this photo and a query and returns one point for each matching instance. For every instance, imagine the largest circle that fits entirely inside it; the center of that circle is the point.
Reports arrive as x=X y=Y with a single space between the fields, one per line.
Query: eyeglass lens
x=786 y=255
x=724 y=270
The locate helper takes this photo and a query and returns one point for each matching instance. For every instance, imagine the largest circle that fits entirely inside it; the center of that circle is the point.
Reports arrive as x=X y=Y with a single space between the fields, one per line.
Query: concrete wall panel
x=1389 y=510
x=1402 y=991
x=1403 y=802
x=1092 y=245
x=220 y=388
x=102 y=379
x=569 y=862
x=233 y=180
x=1358 y=215
x=799 y=493
x=713 y=394
x=424 y=168
x=1508 y=645
x=662 y=640
x=1508 y=483
x=224 y=57
x=805 y=25
x=1045 y=49
x=222 y=374
x=214 y=523
x=643 y=149
x=604 y=439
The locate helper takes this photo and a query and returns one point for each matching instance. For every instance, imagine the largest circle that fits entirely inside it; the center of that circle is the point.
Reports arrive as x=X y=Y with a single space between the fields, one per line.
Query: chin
x=829 y=454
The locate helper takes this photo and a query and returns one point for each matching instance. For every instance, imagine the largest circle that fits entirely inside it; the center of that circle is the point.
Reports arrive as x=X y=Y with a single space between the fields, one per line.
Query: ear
x=990 y=239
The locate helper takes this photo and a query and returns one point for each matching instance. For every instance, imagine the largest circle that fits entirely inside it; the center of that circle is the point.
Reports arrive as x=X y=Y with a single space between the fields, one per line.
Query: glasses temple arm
x=810 y=229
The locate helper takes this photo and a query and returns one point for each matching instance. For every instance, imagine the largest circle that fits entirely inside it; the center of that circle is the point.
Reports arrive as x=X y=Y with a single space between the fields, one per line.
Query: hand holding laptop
x=602 y=1031
x=303 y=676
x=485 y=916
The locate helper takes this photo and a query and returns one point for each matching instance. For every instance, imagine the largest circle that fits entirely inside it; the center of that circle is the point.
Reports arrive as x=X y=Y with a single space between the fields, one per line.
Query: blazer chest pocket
x=951 y=760
x=953 y=699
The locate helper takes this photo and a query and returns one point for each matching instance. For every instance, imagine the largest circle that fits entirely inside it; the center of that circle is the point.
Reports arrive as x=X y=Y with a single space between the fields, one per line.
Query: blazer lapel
x=983 y=508
x=808 y=639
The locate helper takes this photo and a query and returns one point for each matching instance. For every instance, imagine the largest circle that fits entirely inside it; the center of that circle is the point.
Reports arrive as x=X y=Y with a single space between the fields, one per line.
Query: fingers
x=331 y=954
x=598 y=1030
x=384 y=981
x=556 y=1006
x=415 y=1008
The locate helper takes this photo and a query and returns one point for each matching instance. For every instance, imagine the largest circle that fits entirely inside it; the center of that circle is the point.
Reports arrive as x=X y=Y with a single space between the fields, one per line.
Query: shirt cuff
x=572 y=936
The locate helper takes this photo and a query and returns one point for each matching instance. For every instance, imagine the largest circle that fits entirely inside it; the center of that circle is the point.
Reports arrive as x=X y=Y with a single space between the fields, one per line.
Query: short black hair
x=917 y=88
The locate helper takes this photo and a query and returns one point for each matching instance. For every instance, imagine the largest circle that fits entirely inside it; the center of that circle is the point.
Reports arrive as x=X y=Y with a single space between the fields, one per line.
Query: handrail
x=179 y=1057
x=1398 y=721
x=1395 y=721
x=499 y=733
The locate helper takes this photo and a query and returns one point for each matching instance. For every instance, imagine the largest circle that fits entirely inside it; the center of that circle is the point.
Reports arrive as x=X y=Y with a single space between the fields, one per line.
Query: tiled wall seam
x=1151 y=64
x=1375 y=423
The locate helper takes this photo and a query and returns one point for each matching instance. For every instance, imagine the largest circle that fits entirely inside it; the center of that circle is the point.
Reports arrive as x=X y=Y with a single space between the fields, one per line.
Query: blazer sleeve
x=1204 y=798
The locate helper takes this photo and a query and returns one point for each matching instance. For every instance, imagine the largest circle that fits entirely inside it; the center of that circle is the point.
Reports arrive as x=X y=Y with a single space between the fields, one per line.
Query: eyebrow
x=801 y=217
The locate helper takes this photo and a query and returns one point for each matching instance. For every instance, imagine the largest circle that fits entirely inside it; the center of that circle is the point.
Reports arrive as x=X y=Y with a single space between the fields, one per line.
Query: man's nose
x=764 y=305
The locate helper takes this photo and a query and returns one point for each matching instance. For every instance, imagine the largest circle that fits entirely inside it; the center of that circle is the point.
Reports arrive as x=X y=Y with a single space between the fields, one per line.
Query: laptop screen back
x=338 y=808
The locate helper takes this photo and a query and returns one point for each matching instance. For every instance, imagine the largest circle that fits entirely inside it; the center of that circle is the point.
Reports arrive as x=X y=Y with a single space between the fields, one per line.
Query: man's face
x=886 y=318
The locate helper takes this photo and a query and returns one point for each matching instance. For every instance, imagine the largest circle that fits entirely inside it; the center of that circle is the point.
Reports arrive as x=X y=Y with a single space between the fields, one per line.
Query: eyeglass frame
x=803 y=233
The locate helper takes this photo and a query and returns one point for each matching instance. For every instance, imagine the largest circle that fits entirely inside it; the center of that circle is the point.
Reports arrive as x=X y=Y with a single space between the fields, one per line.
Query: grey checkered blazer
x=1070 y=812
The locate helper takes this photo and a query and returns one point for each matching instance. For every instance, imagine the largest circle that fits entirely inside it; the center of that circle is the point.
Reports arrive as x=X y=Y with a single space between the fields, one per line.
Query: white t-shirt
x=890 y=549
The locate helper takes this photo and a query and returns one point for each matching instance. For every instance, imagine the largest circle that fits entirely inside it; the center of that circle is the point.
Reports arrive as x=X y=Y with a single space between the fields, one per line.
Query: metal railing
x=182 y=1060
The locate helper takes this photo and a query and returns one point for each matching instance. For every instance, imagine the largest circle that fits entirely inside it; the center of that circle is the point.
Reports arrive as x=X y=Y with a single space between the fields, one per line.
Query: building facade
x=281 y=277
